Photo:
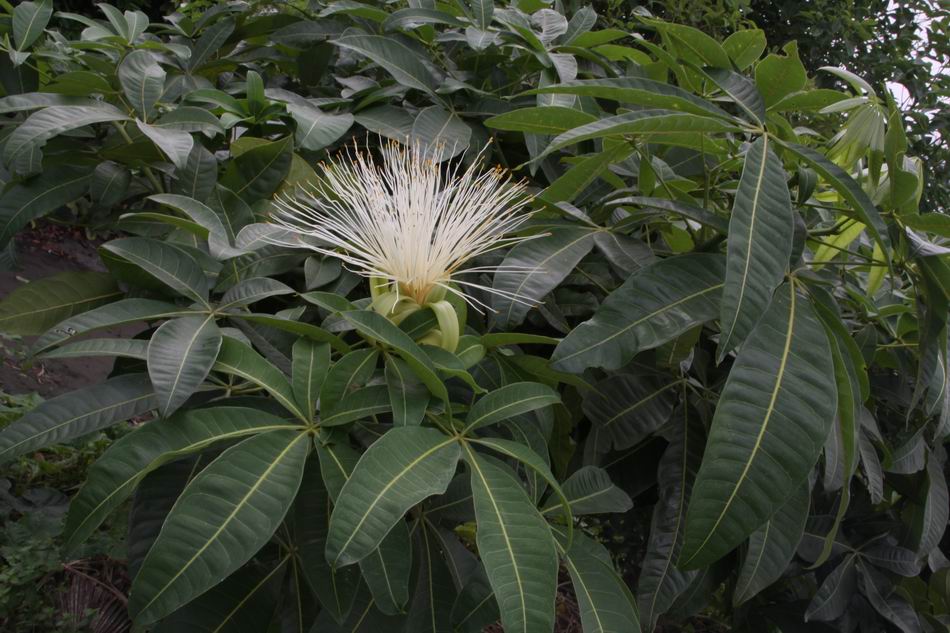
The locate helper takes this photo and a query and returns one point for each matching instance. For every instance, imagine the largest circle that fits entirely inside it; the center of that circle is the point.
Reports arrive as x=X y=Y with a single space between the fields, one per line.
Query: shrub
x=728 y=295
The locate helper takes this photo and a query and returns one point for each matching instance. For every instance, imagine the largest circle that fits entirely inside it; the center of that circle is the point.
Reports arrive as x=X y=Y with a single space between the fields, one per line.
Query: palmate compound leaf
x=769 y=427
x=116 y=474
x=402 y=468
x=653 y=306
x=516 y=546
x=224 y=516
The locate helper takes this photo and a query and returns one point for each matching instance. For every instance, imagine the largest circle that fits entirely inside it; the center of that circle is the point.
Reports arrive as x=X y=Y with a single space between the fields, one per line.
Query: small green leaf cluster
x=724 y=313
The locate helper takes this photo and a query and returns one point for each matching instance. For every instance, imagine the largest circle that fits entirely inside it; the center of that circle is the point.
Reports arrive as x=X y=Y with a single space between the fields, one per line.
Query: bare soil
x=44 y=251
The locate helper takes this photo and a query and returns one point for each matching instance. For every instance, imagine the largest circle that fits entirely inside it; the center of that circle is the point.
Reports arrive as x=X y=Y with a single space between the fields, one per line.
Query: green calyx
x=396 y=306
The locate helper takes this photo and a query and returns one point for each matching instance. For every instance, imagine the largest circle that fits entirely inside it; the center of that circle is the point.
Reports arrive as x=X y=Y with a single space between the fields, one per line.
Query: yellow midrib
x=237 y=508
x=765 y=424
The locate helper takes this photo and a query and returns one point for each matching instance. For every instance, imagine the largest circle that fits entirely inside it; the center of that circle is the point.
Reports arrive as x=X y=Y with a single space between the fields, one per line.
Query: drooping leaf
x=772 y=547
x=408 y=396
x=661 y=581
x=777 y=406
x=26 y=201
x=239 y=359
x=35 y=307
x=180 y=355
x=387 y=569
x=402 y=468
x=399 y=60
x=625 y=409
x=604 y=600
x=516 y=547
x=382 y=329
x=77 y=413
x=224 y=516
x=652 y=307
x=542 y=264
x=759 y=246
x=638 y=91
x=132 y=457
x=22 y=150
x=172 y=266
x=834 y=593
x=590 y=491
x=143 y=81
x=509 y=401
x=117 y=313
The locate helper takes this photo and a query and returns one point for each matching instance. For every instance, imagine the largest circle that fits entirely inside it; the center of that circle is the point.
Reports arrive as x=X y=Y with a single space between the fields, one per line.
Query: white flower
x=407 y=222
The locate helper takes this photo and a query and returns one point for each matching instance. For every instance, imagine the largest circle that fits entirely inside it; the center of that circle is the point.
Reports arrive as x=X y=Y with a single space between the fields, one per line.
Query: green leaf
x=508 y=402
x=77 y=413
x=590 y=491
x=759 y=244
x=542 y=264
x=24 y=202
x=115 y=347
x=311 y=363
x=115 y=475
x=439 y=133
x=835 y=592
x=652 y=307
x=110 y=184
x=686 y=210
x=382 y=329
x=257 y=173
x=112 y=314
x=335 y=590
x=692 y=44
x=295 y=327
x=772 y=546
x=776 y=408
x=358 y=405
x=661 y=582
x=540 y=120
x=213 y=228
x=168 y=264
x=604 y=600
x=777 y=76
x=745 y=47
x=252 y=290
x=316 y=129
x=35 y=307
x=142 y=80
x=175 y=144
x=212 y=39
x=398 y=471
x=516 y=547
x=29 y=21
x=353 y=370
x=224 y=516
x=475 y=606
x=180 y=355
x=197 y=178
x=242 y=602
x=408 y=397
x=625 y=409
x=850 y=190
x=239 y=359
x=741 y=90
x=638 y=91
x=387 y=570
x=399 y=60
x=576 y=179
x=640 y=123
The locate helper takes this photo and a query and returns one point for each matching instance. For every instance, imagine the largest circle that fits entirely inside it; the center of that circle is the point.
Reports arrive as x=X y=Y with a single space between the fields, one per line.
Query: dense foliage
x=735 y=314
